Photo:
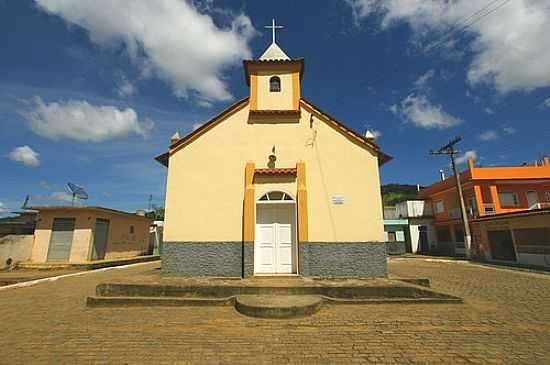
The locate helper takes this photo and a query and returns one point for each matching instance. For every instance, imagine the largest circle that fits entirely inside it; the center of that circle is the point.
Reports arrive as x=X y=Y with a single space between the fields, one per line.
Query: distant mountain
x=396 y=193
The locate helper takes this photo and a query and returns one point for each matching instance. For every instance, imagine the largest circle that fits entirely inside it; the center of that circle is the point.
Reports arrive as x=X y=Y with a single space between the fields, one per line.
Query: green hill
x=395 y=193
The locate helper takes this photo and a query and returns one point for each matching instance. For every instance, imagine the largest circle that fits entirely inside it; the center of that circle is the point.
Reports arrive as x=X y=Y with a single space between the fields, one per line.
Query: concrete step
x=443 y=300
x=99 y=301
x=396 y=290
x=278 y=306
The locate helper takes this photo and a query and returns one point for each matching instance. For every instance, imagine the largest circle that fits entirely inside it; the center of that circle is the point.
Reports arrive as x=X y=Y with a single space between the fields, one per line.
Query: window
x=276 y=196
x=392 y=236
x=548 y=196
x=275 y=84
x=131 y=229
x=472 y=204
x=508 y=199
x=439 y=206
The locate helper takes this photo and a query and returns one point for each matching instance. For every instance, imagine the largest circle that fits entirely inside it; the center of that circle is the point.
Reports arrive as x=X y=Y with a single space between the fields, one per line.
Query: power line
x=460 y=26
x=467 y=22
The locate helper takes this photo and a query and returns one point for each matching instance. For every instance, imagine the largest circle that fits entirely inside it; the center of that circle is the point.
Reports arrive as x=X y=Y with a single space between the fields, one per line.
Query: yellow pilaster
x=249 y=220
x=296 y=90
x=494 y=197
x=479 y=201
x=302 y=202
x=253 y=92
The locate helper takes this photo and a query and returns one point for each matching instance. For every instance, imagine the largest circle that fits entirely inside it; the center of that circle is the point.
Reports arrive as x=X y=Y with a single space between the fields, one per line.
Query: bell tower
x=274 y=81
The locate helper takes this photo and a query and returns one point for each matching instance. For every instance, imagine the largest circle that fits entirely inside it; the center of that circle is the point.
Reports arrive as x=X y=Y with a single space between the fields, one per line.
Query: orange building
x=488 y=191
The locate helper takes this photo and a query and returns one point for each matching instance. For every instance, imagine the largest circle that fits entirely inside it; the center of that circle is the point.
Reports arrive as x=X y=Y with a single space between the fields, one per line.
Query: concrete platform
x=268 y=297
x=98 y=301
x=86 y=265
x=278 y=306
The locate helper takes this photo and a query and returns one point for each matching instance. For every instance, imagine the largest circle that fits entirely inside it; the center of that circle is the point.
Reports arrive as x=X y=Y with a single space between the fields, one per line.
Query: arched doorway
x=275 y=249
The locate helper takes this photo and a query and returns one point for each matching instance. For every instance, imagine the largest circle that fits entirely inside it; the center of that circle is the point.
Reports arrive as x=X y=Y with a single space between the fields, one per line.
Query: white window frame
x=436 y=206
x=278 y=80
x=286 y=198
x=513 y=193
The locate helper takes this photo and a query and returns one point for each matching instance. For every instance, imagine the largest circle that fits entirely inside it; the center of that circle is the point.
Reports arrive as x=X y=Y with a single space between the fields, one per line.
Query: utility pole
x=449 y=149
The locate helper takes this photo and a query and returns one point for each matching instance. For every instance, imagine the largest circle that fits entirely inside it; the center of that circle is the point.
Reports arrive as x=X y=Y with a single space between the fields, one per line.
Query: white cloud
x=376 y=133
x=494 y=134
x=507 y=45
x=468 y=155
x=197 y=126
x=46 y=185
x=57 y=197
x=489 y=111
x=362 y=8
x=508 y=130
x=61 y=196
x=546 y=104
x=4 y=211
x=417 y=109
x=489 y=135
x=25 y=155
x=81 y=121
x=125 y=87
x=169 y=39
x=422 y=81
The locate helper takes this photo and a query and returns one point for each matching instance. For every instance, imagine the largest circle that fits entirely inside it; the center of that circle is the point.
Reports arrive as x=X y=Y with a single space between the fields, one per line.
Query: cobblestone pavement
x=9 y=277
x=505 y=320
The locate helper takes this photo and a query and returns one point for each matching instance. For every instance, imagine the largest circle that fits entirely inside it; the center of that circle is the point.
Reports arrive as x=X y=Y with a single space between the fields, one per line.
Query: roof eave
x=163 y=158
x=383 y=158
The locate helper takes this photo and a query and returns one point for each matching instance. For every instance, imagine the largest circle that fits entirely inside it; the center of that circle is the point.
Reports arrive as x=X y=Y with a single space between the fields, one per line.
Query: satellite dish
x=26 y=203
x=77 y=191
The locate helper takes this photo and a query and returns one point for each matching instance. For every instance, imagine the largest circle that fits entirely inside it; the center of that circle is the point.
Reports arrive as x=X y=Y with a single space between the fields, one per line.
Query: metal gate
x=61 y=239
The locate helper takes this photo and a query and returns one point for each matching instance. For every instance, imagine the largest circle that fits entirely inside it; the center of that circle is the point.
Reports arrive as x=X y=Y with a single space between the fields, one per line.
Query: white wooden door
x=265 y=249
x=284 y=248
x=275 y=249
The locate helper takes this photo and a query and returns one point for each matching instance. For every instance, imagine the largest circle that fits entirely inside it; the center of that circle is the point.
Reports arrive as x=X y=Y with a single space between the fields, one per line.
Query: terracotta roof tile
x=275 y=171
x=275 y=112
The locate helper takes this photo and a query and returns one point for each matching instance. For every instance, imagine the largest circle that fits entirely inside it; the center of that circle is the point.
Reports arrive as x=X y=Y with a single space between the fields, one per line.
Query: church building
x=273 y=185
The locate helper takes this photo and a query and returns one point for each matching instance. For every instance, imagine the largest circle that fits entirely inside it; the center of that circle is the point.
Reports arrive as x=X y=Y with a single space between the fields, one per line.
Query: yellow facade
x=261 y=98
x=275 y=100
x=205 y=185
x=121 y=243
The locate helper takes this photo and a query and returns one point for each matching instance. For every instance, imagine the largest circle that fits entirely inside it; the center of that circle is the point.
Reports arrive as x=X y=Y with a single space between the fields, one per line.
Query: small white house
x=420 y=230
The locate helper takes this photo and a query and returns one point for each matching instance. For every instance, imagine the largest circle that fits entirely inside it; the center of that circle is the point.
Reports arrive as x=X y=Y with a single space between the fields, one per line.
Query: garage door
x=61 y=239
x=502 y=245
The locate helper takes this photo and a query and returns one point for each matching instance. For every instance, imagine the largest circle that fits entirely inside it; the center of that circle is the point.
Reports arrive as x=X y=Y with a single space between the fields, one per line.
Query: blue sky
x=91 y=91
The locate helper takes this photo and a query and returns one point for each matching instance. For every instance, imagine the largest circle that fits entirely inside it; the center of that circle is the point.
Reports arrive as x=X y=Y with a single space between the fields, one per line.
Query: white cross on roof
x=273 y=27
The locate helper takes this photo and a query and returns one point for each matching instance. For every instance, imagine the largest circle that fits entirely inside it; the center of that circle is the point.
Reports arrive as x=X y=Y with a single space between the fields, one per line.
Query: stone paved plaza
x=505 y=320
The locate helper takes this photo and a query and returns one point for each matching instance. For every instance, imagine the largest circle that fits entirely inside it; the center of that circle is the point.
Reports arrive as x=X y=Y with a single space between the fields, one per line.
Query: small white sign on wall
x=338 y=200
